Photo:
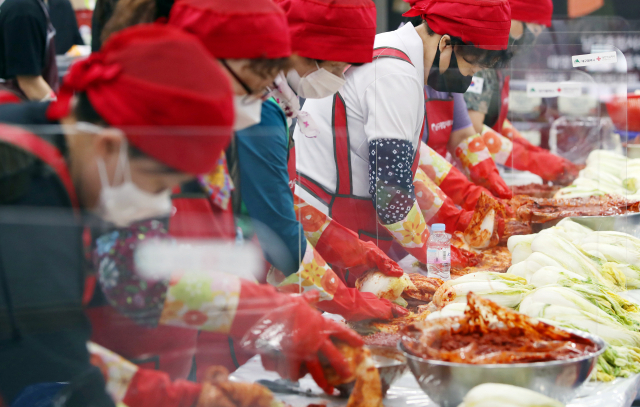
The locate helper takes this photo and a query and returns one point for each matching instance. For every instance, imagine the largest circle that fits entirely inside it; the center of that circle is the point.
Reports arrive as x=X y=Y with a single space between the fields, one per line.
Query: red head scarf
x=235 y=28
x=332 y=30
x=482 y=23
x=162 y=88
x=532 y=11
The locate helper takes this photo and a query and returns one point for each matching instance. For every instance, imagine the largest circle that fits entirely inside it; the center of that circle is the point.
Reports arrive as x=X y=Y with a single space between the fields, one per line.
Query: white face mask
x=247 y=114
x=126 y=203
x=316 y=85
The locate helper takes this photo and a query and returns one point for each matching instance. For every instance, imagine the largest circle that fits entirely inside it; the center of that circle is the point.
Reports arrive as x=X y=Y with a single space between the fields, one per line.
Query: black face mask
x=451 y=80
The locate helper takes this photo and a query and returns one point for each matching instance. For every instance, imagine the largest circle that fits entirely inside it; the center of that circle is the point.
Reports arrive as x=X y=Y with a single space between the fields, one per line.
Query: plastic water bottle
x=439 y=253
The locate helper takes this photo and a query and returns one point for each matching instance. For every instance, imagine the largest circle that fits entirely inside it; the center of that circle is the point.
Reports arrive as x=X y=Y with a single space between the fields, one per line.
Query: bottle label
x=438 y=256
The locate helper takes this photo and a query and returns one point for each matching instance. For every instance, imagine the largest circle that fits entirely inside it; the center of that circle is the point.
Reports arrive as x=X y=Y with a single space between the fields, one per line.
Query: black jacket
x=43 y=329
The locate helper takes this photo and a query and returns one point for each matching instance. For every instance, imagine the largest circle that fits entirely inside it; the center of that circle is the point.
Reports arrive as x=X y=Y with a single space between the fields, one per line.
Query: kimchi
x=490 y=334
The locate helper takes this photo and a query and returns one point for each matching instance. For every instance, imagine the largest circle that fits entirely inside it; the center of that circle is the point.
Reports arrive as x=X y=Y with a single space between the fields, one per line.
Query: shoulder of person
x=272 y=119
x=16 y=171
x=271 y=110
x=21 y=9
x=391 y=71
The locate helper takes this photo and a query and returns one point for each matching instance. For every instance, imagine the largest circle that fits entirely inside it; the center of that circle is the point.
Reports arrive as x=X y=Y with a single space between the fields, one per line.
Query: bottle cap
x=437 y=227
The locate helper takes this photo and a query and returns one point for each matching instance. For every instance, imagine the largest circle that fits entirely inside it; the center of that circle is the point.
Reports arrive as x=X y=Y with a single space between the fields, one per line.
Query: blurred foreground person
x=249 y=40
x=115 y=150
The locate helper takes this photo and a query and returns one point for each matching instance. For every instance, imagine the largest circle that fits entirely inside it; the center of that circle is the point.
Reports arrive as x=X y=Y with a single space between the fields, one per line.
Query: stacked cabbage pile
x=606 y=173
x=570 y=276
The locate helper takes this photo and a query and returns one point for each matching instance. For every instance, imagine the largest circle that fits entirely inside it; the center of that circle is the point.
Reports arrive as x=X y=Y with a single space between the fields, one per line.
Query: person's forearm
x=458 y=136
x=393 y=197
x=477 y=119
x=35 y=87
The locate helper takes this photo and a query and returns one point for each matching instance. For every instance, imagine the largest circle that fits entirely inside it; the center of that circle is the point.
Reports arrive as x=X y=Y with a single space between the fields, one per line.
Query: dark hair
x=128 y=13
x=319 y=61
x=265 y=67
x=477 y=56
x=85 y=112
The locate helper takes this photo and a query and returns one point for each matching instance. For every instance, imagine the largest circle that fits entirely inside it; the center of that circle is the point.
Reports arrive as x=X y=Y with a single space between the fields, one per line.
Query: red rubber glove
x=462 y=191
x=290 y=332
x=517 y=152
x=476 y=159
x=354 y=305
x=437 y=207
x=543 y=163
x=451 y=181
x=453 y=217
x=153 y=388
x=137 y=387
x=342 y=248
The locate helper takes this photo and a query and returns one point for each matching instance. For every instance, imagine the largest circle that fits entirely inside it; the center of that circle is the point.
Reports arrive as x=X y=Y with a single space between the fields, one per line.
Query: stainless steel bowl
x=628 y=223
x=390 y=363
x=447 y=383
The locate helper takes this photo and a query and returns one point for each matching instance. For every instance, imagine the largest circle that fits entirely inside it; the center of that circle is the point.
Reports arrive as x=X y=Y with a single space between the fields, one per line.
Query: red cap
x=162 y=88
x=235 y=28
x=482 y=23
x=332 y=30
x=532 y=11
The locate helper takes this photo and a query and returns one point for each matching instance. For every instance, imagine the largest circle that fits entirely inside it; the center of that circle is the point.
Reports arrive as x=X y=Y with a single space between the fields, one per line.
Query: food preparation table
x=406 y=392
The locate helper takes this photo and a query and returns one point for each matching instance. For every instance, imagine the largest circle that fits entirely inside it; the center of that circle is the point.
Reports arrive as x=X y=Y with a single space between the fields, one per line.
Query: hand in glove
x=290 y=334
x=219 y=391
x=436 y=207
x=137 y=387
x=334 y=296
x=450 y=180
x=340 y=246
x=518 y=153
x=477 y=161
x=354 y=305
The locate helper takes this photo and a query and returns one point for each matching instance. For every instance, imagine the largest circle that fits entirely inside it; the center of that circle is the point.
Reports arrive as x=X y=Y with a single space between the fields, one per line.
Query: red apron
x=354 y=212
x=166 y=348
x=504 y=102
x=439 y=124
x=197 y=217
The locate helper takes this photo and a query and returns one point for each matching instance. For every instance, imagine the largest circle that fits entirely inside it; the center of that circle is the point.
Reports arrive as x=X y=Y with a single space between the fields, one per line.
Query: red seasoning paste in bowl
x=491 y=334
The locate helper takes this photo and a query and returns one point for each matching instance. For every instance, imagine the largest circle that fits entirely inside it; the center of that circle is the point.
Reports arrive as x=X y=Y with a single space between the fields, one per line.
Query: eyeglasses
x=251 y=95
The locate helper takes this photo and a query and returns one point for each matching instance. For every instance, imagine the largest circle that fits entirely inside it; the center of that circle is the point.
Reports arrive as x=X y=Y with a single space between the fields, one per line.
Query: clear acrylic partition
x=564 y=107
x=601 y=118
x=172 y=272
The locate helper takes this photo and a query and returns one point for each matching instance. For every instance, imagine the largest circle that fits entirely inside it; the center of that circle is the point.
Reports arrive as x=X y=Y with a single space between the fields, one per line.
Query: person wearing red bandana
x=488 y=103
x=360 y=167
x=111 y=151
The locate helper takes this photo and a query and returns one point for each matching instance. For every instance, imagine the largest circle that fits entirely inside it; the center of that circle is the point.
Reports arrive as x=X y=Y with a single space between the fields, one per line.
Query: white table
x=406 y=392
